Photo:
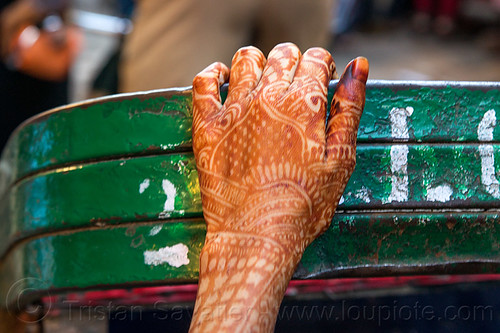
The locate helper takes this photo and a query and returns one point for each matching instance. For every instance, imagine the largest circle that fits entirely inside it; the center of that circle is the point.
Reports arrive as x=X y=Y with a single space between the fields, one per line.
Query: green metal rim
x=355 y=245
x=147 y=188
x=159 y=122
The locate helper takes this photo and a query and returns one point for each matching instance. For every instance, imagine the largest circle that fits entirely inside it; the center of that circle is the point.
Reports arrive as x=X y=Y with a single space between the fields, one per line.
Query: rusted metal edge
x=398 y=85
x=29 y=296
x=15 y=242
x=452 y=268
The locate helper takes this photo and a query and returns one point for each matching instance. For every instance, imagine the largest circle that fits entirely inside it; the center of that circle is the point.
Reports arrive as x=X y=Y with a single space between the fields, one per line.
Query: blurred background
x=69 y=50
x=397 y=37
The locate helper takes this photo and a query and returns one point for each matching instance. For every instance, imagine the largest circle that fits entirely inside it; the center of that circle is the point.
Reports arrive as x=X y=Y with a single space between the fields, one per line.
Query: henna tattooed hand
x=272 y=169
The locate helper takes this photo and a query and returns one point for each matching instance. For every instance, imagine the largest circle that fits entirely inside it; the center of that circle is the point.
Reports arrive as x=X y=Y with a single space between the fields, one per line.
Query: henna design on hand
x=272 y=169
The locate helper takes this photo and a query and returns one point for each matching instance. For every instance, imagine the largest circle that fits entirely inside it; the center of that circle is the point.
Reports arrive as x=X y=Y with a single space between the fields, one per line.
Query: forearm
x=243 y=278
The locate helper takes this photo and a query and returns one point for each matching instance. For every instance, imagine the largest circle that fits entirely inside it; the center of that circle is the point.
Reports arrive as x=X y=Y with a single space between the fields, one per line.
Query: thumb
x=347 y=106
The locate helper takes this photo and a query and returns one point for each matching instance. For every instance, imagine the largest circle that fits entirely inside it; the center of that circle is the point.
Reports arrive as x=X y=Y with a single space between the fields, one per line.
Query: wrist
x=242 y=281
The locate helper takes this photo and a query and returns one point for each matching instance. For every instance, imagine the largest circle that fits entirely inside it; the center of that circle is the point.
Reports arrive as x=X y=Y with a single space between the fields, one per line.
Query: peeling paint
x=363 y=194
x=399 y=170
x=399 y=154
x=175 y=256
x=170 y=192
x=144 y=185
x=441 y=193
x=486 y=126
x=399 y=124
x=155 y=230
x=485 y=133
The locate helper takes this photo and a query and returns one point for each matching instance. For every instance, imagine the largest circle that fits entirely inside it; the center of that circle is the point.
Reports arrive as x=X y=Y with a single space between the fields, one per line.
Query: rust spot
x=481 y=220
x=102 y=221
x=375 y=255
x=439 y=254
x=137 y=241
x=451 y=223
x=130 y=231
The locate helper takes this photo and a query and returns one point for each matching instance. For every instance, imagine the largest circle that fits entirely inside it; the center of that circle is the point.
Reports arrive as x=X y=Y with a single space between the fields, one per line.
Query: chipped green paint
x=440 y=113
x=355 y=245
x=102 y=257
x=159 y=121
x=114 y=126
x=134 y=189
x=429 y=168
x=128 y=190
x=403 y=243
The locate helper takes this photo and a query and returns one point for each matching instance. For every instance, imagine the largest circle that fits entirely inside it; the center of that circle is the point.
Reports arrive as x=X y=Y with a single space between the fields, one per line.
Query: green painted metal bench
x=99 y=194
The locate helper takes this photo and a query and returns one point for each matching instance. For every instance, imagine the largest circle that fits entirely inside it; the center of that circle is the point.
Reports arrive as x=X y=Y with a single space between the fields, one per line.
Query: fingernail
x=359 y=69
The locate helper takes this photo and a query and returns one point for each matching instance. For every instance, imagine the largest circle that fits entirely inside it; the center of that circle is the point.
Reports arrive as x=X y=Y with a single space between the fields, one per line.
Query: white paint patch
x=144 y=185
x=399 y=154
x=155 y=230
x=441 y=193
x=363 y=194
x=175 y=256
x=399 y=170
x=485 y=133
x=488 y=171
x=399 y=124
x=486 y=126
x=341 y=201
x=170 y=192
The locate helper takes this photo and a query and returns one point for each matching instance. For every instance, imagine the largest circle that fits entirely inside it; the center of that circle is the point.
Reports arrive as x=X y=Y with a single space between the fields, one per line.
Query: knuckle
x=285 y=49
x=286 y=45
x=248 y=50
x=213 y=74
x=198 y=81
x=318 y=52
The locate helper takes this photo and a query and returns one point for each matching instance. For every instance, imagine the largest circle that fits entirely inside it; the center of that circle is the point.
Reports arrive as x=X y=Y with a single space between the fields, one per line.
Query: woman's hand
x=272 y=169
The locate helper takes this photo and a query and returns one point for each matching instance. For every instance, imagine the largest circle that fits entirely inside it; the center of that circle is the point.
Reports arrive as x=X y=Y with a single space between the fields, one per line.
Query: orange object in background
x=45 y=53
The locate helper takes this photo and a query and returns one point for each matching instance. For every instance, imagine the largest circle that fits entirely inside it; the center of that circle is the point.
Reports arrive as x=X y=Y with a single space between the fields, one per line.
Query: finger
x=347 y=106
x=206 y=93
x=246 y=71
x=280 y=68
x=308 y=92
x=314 y=70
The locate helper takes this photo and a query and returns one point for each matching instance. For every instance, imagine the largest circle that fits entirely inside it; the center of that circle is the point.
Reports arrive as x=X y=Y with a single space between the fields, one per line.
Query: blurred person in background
x=174 y=40
x=36 y=50
x=440 y=15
